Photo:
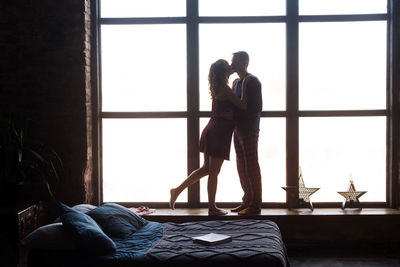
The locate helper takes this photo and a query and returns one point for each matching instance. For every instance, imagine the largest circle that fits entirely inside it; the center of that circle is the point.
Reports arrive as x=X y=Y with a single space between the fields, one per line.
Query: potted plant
x=29 y=169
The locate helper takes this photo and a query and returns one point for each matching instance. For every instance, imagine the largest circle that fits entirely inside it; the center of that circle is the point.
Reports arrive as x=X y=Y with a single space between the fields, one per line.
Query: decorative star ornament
x=351 y=196
x=304 y=192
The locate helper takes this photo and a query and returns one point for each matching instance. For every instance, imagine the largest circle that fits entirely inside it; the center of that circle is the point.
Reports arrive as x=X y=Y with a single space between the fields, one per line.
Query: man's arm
x=254 y=95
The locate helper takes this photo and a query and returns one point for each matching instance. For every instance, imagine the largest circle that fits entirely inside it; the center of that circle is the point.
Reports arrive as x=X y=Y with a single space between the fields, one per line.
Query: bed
x=127 y=239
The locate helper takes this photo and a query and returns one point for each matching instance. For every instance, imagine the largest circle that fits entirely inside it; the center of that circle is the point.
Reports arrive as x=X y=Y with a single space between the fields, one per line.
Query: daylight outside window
x=149 y=98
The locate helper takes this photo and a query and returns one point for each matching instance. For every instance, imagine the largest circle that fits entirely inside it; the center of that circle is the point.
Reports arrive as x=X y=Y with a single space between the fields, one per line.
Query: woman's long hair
x=217 y=76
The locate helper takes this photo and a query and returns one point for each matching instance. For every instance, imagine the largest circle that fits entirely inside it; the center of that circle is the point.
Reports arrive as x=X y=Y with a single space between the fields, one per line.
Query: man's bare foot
x=172 y=198
x=216 y=211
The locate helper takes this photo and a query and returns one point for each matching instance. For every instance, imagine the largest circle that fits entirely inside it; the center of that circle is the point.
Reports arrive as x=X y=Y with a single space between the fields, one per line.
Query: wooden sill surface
x=203 y=212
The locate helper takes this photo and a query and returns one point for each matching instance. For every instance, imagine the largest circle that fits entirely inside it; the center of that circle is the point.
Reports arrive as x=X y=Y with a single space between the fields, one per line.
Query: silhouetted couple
x=234 y=111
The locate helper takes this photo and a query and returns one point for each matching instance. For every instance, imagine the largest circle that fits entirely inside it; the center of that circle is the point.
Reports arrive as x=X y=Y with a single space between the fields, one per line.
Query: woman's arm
x=230 y=95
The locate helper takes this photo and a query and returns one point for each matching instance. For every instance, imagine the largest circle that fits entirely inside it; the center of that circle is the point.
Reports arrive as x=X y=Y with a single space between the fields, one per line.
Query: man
x=246 y=132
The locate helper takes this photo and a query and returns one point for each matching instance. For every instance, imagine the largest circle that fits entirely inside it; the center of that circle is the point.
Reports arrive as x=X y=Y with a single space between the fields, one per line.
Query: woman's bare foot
x=172 y=198
x=216 y=211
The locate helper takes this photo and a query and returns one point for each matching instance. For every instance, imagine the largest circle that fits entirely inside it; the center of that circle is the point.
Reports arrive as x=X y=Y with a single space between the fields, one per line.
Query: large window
x=324 y=66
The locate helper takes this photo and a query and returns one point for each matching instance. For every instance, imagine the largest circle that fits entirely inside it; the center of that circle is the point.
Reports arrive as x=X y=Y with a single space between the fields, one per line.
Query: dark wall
x=42 y=78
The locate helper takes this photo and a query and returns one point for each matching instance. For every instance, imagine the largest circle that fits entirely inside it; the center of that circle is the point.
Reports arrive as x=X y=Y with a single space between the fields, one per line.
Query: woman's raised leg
x=194 y=177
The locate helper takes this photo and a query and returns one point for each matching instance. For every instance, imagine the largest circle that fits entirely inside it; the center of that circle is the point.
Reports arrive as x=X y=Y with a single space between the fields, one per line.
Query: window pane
x=141 y=164
x=139 y=8
x=143 y=66
x=265 y=44
x=239 y=8
x=333 y=7
x=272 y=160
x=342 y=65
x=332 y=149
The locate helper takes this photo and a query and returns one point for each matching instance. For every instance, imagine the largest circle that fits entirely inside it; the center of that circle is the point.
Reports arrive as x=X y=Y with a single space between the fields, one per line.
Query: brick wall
x=88 y=175
x=44 y=66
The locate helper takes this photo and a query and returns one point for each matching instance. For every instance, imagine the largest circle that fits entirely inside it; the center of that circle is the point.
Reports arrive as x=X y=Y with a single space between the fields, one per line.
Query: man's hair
x=242 y=56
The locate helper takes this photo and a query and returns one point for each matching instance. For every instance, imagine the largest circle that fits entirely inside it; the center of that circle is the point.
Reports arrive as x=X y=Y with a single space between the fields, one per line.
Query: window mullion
x=292 y=99
x=96 y=35
x=393 y=104
x=192 y=29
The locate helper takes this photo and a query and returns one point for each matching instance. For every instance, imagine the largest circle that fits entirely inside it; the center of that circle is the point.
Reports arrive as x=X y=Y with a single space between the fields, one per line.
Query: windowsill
x=202 y=213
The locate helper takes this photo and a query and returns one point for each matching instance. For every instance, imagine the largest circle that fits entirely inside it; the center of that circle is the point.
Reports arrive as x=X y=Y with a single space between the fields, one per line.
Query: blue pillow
x=116 y=220
x=85 y=232
x=80 y=207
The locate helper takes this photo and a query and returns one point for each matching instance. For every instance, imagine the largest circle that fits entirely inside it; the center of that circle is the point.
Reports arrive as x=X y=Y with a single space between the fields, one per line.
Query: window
x=324 y=66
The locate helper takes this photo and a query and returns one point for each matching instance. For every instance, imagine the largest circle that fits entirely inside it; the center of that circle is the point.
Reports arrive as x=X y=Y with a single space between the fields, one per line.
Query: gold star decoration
x=304 y=192
x=351 y=196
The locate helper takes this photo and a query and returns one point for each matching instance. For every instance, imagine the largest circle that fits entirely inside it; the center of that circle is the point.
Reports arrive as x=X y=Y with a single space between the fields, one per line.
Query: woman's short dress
x=216 y=137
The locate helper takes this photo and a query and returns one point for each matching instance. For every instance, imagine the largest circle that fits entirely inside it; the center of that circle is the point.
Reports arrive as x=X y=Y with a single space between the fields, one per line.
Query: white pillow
x=49 y=237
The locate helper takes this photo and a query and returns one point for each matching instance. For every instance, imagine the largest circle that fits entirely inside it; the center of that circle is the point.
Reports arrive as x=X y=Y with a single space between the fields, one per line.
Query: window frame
x=292 y=112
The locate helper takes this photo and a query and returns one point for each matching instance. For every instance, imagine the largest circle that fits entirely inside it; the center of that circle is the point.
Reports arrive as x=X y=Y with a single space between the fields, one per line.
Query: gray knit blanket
x=254 y=243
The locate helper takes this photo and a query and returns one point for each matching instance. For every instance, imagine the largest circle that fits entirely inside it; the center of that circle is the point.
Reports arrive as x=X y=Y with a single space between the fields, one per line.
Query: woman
x=215 y=141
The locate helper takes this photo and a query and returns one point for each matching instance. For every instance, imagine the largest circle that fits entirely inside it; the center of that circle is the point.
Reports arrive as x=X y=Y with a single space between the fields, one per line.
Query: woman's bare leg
x=214 y=169
x=194 y=177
